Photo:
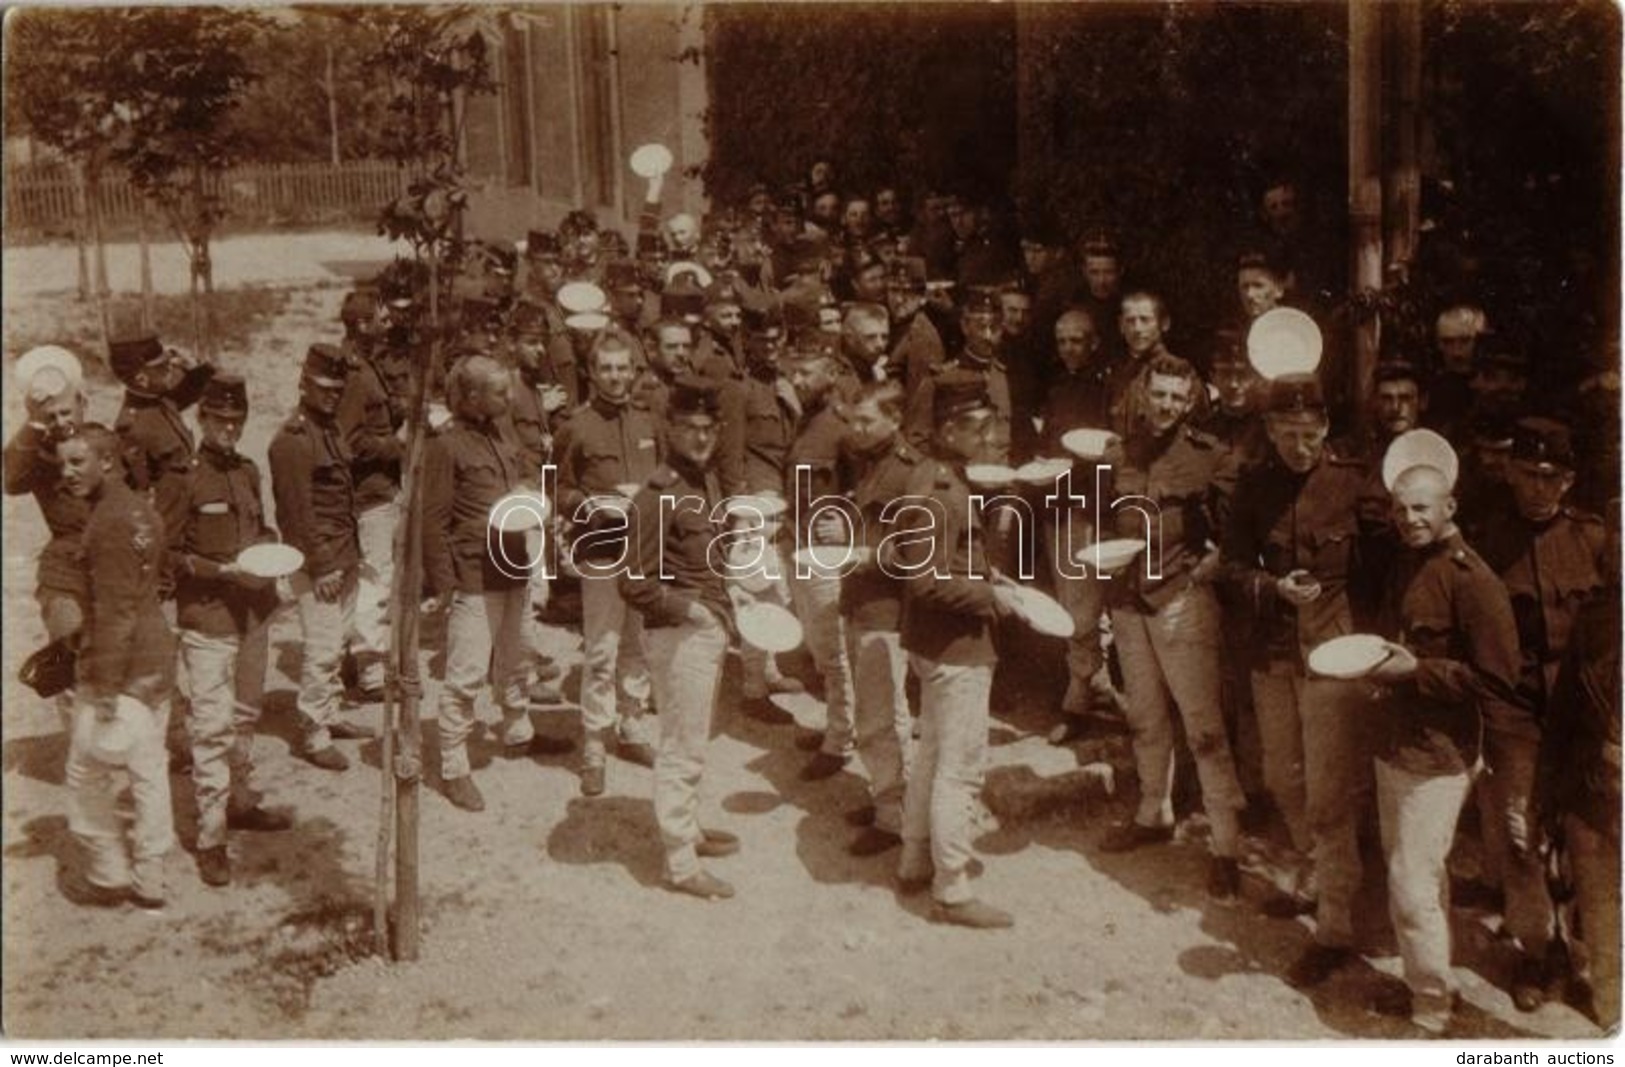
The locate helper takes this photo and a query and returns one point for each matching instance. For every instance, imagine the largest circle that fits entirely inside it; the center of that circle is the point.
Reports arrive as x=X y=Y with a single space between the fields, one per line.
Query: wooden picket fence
x=42 y=198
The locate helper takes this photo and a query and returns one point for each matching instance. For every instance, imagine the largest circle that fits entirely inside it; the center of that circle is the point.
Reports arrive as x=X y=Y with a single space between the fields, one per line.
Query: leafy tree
x=182 y=71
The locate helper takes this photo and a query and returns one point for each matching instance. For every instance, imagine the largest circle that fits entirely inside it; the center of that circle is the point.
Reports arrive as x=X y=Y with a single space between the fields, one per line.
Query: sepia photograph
x=670 y=521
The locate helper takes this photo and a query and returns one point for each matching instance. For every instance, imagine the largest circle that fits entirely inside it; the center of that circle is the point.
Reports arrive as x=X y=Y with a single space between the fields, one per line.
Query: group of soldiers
x=784 y=376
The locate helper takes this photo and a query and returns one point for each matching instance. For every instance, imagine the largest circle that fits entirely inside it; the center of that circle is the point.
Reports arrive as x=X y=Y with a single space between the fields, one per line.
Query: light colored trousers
x=1083 y=599
x=228 y=684
x=880 y=717
x=1317 y=766
x=818 y=606
x=945 y=780
x=1594 y=861
x=485 y=641
x=1512 y=836
x=1418 y=815
x=375 y=529
x=614 y=675
x=122 y=850
x=324 y=628
x=1173 y=657
x=685 y=667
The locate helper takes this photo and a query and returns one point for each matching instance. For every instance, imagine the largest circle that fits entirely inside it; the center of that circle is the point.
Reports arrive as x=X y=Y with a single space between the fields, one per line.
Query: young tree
x=179 y=74
x=431 y=59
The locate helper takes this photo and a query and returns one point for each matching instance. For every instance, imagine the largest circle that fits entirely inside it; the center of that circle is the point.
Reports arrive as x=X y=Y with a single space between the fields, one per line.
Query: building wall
x=581 y=86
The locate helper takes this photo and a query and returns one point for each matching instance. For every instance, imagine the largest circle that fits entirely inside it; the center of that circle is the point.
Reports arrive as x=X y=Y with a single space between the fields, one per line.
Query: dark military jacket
x=1189 y=477
x=127 y=645
x=1580 y=750
x=224 y=515
x=369 y=423
x=678 y=557
x=870 y=598
x=600 y=447
x=817 y=446
x=1550 y=571
x=529 y=429
x=916 y=351
x=757 y=431
x=948 y=605
x=1282 y=521
x=1447 y=606
x=31 y=466
x=466 y=470
x=1075 y=400
x=158 y=445
x=314 y=489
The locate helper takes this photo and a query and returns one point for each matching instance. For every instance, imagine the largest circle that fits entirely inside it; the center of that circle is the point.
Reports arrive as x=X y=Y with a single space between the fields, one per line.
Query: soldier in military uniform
x=55 y=406
x=916 y=347
x=979 y=321
x=1143 y=324
x=724 y=356
x=1165 y=619
x=948 y=617
x=606 y=445
x=877 y=465
x=1452 y=663
x=313 y=485
x=676 y=584
x=812 y=474
x=1550 y=556
x=373 y=424
x=224 y=615
x=671 y=343
x=1237 y=417
x=480 y=574
x=1290 y=548
x=128 y=651
x=159 y=384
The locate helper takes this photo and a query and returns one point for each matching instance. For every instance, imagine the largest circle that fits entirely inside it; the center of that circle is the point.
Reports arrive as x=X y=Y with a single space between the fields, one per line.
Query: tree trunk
x=148 y=321
x=1365 y=184
x=94 y=201
x=332 y=108
x=81 y=233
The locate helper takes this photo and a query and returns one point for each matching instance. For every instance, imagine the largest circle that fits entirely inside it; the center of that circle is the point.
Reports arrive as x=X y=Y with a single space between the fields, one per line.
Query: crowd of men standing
x=820 y=346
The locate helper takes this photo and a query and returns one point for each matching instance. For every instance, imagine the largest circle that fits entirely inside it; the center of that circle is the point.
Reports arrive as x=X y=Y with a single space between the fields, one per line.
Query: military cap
x=621 y=276
x=1261 y=259
x=800 y=315
x=480 y=311
x=225 y=395
x=907 y=272
x=683 y=299
x=763 y=318
x=651 y=242
x=1292 y=394
x=1488 y=430
x=1099 y=243
x=1396 y=370
x=576 y=223
x=1547 y=443
x=723 y=294
x=1039 y=228
x=131 y=354
x=613 y=243
x=502 y=260
x=1500 y=356
x=981 y=300
x=808 y=347
x=1230 y=350
x=957 y=392
x=808 y=253
x=325 y=365
x=692 y=394
x=789 y=201
x=359 y=306
x=540 y=244
x=529 y=319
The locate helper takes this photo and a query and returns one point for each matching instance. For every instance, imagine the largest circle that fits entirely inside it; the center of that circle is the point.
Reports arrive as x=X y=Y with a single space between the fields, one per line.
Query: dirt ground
x=543 y=917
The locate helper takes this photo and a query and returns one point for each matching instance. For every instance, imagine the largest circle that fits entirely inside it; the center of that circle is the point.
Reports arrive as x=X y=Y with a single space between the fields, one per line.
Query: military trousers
x=614 y=676
x=228 y=684
x=122 y=848
x=881 y=719
x=1172 y=658
x=324 y=628
x=818 y=606
x=375 y=531
x=1418 y=815
x=485 y=641
x=1317 y=766
x=1594 y=860
x=1084 y=599
x=1512 y=835
x=63 y=614
x=945 y=779
x=685 y=667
